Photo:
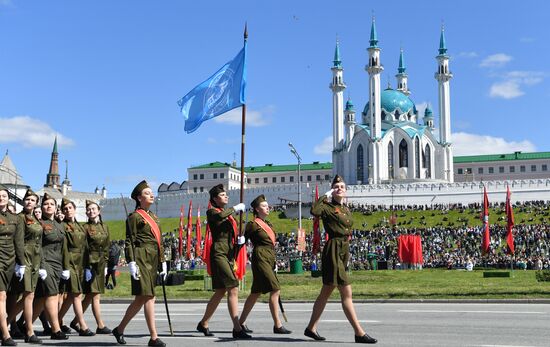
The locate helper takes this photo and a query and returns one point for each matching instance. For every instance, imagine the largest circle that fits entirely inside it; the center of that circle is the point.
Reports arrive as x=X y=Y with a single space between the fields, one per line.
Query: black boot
x=202 y=329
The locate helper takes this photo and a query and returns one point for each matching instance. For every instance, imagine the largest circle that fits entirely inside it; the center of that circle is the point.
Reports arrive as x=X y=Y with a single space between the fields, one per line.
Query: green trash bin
x=371 y=257
x=296 y=266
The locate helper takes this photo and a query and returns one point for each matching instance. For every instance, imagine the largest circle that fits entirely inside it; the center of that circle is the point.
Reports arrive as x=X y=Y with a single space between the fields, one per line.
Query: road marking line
x=469 y=311
x=346 y=321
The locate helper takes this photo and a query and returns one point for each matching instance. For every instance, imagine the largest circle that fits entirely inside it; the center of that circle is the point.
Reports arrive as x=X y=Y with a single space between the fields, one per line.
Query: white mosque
x=387 y=144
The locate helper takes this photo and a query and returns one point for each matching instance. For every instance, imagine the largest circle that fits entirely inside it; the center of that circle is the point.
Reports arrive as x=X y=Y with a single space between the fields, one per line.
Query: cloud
x=467 y=54
x=512 y=82
x=255 y=118
x=496 y=60
x=30 y=132
x=527 y=39
x=505 y=90
x=324 y=147
x=473 y=144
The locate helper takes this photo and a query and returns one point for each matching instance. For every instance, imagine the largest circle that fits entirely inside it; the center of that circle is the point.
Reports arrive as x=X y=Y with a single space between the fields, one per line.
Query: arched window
x=390 y=160
x=428 y=161
x=403 y=154
x=417 y=157
x=360 y=165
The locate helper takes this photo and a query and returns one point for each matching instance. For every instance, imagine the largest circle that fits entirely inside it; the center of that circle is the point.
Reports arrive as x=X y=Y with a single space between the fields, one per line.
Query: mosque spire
x=442 y=44
x=337 y=60
x=373 y=36
x=401 y=68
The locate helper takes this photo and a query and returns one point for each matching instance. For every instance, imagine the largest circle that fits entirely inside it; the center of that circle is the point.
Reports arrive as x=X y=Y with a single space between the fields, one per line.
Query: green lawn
x=404 y=218
x=425 y=284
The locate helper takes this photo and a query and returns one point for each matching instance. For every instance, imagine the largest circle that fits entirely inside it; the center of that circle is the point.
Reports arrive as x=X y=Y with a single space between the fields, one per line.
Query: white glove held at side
x=88 y=275
x=20 y=272
x=65 y=274
x=134 y=270
x=164 y=271
x=43 y=274
x=241 y=240
x=239 y=207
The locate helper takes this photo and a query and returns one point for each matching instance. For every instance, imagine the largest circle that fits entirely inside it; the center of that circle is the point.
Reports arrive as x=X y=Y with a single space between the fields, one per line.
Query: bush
x=543 y=276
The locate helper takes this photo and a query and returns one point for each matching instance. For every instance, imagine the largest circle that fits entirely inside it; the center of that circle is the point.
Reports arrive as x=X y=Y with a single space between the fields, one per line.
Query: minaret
x=443 y=76
x=402 y=76
x=350 y=121
x=337 y=86
x=374 y=68
x=66 y=184
x=52 y=179
x=429 y=118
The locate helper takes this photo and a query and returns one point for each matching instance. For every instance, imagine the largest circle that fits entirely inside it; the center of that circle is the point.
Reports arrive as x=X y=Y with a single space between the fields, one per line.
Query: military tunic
x=99 y=241
x=55 y=257
x=33 y=253
x=263 y=259
x=222 y=251
x=142 y=247
x=11 y=244
x=337 y=221
x=77 y=246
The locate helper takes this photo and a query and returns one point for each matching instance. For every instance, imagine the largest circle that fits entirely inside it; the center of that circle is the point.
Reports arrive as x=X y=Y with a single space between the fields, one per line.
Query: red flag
x=242 y=259
x=180 y=246
x=199 y=236
x=509 y=220
x=207 y=245
x=316 y=233
x=189 y=229
x=486 y=242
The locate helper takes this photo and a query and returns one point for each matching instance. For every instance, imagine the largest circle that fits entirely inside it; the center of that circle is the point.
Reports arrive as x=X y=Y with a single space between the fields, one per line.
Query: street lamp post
x=295 y=152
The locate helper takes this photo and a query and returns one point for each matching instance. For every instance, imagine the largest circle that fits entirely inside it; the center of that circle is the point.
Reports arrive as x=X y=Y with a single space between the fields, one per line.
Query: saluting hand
x=239 y=207
x=329 y=194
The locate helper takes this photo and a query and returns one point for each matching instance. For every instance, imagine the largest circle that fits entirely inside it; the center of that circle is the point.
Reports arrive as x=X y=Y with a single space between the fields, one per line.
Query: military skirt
x=334 y=260
x=146 y=256
x=7 y=263
x=30 y=280
x=221 y=263
x=52 y=285
x=263 y=265
x=97 y=284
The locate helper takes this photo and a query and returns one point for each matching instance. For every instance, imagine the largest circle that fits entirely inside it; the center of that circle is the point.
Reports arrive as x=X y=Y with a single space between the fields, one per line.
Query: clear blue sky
x=106 y=76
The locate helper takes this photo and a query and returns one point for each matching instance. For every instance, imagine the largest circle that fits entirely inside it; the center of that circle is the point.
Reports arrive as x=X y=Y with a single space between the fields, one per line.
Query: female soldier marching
x=337 y=220
x=262 y=235
x=224 y=229
x=75 y=238
x=12 y=257
x=145 y=256
x=99 y=240
x=33 y=261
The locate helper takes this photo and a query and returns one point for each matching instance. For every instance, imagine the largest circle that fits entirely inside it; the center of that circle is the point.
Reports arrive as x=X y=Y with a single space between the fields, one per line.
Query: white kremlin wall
x=168 y=204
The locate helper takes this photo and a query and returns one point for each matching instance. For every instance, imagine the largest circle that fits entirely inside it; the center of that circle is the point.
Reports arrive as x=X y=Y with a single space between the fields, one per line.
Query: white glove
x=20 y=271
x=105 y=271
x=134 y=270
x=88 y=275
x=65 y=274
x=329 y=194
x=239 y=207
x=43 y=274
x=164 y=271
x=241 y=240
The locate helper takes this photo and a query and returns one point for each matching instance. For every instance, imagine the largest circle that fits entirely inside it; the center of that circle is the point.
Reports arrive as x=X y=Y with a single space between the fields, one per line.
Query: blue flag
x=222 y=92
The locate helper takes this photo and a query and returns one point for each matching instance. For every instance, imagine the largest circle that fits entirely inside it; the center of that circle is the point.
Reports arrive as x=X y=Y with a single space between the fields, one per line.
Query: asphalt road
x=393 y=324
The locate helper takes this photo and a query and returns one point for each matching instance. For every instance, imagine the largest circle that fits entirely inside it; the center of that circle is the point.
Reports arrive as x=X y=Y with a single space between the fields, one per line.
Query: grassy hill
x=408 y=219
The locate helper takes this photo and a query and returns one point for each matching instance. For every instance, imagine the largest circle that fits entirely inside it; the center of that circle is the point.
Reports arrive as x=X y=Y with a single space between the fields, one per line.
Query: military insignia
x=47 y=228
x=92 y=231
x=29 y=220
x=69 y=227
x=2 y=222
x=337 y=210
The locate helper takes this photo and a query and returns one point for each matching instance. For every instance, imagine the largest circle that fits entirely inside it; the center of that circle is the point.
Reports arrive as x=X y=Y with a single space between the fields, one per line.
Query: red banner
x=316 y=246
x=189 y=229
x=207 y=246
x=486 y=241
x=509 y=221
x=180 y=246
x=409 y=249
x=199 y=236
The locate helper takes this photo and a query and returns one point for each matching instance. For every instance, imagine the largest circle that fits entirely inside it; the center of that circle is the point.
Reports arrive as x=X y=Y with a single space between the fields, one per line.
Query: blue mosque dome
x=392 y=100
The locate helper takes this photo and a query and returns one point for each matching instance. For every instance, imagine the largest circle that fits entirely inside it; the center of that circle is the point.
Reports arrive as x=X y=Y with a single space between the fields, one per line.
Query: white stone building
x=386 y=143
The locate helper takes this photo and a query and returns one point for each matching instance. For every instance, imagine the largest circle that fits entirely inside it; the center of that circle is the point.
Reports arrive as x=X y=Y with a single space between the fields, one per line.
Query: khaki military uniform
x=55 y=257
x=77 y=246
x=11 y=245
x=99 y=241
x=33 y=253
x=263 y=259
x=142 y=247
x=222 y=251
x=337 y=221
